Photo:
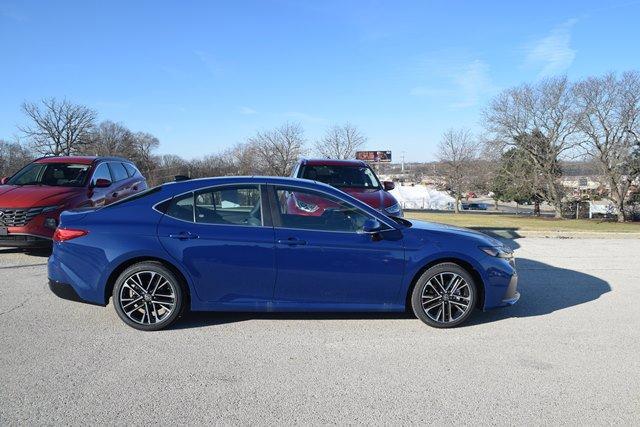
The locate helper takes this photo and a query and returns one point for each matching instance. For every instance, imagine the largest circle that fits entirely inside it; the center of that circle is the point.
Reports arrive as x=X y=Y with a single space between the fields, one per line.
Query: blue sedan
x=272 y=244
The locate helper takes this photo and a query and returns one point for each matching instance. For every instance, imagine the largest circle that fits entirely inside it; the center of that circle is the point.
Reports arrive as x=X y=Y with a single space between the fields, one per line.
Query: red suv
x=354 y=177
x=32 y=199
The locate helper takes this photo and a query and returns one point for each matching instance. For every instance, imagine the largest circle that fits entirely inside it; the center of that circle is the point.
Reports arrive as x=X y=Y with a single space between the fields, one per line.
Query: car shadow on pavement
x=544 y=289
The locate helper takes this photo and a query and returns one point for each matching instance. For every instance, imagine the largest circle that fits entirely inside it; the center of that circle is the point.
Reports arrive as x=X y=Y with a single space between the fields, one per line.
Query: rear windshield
x=342 y=176
x=52 y=174
x=136 y=196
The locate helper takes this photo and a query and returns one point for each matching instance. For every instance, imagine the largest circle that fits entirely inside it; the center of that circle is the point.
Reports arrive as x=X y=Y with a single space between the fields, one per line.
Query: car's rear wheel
x=148 y=296
x=444 y=296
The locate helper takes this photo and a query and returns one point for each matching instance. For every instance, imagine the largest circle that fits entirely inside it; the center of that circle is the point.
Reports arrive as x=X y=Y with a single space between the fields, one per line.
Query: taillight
x=64 y=234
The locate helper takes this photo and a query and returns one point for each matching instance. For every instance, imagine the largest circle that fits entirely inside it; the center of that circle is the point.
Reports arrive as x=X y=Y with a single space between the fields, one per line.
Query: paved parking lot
x=568 y=353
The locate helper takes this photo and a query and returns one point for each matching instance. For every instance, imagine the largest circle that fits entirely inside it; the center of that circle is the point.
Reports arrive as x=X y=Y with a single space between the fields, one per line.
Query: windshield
x=342 y=176
x=52 y=174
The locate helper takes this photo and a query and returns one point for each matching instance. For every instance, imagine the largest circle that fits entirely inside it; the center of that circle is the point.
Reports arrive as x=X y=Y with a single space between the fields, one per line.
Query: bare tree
x=13 y=156
x=458 y=152
x=143 y=145
x=58 y=127
x=277 y=150
x=608 y=115
x=340 y=142
x=539 y=120
x=110 y=139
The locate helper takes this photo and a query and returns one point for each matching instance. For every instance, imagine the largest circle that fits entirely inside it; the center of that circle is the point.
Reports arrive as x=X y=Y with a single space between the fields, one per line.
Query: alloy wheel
x=147 y=297
x=446 y=297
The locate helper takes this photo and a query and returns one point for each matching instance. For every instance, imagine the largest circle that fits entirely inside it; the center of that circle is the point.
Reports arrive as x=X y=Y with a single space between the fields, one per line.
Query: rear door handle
x=115 y=194
x=292 y=241
x=184 y=235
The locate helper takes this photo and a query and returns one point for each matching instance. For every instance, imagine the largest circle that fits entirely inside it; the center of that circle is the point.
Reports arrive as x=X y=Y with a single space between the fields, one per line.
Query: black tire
x=425 y=291
x=159 y=310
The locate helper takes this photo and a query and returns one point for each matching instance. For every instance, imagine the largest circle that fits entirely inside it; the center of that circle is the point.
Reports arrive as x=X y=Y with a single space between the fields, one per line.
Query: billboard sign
x=374 y=156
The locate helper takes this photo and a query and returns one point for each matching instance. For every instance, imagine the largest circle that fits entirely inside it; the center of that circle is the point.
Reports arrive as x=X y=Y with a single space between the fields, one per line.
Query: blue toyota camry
x=272 y=244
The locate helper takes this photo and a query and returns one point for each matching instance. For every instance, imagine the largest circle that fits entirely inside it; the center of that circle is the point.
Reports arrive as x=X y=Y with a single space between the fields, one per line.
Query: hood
x=377 y=199
x=30 y=196
x=457 y=231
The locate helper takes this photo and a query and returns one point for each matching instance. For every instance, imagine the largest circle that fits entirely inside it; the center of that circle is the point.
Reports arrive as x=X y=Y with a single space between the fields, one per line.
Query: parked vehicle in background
x=474 y=206
x=31 y=200
x=354 y=177
x=229 y=244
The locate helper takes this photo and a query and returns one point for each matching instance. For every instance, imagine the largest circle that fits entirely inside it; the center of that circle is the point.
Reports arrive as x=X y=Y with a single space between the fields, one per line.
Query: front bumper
x=24 y=241
x=511 y=296
x=34 y=234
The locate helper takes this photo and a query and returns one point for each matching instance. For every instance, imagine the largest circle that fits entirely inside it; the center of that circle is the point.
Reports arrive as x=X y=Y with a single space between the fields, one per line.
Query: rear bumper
x=66 y=291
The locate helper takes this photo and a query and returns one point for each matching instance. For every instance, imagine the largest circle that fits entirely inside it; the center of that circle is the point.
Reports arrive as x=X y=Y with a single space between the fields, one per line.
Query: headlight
x=304 y=206
x=394 y=210
x=497 y=251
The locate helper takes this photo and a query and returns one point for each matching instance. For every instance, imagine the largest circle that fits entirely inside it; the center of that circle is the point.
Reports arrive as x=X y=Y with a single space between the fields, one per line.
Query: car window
x=52 y=174
x=119 y=172
x=102 y=172
x=230 y=205
x=311 y=210
x=342 y=176
x=131 y=170
x=181 y=207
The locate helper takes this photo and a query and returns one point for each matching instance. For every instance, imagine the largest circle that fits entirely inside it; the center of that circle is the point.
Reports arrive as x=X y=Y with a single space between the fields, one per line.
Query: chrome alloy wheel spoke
x=446 y=297
x=147 y=297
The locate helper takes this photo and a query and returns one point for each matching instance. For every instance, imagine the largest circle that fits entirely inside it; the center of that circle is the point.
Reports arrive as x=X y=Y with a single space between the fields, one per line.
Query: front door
x=220 y=235
x=324 y=258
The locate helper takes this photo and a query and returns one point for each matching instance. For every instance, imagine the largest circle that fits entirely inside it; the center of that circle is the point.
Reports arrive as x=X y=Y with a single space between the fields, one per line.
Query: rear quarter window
x=131 y=170
x=118 y=170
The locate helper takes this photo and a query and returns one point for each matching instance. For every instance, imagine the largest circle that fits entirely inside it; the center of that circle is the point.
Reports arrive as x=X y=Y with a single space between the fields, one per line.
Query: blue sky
x=204 y=75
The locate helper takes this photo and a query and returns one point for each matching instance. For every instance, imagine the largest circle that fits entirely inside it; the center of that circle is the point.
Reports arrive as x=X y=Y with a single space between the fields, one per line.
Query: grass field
x=525 y=223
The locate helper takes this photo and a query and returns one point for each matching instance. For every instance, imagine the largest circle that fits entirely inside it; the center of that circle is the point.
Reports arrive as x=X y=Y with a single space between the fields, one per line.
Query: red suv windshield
x=52 y=174
x=342 y=176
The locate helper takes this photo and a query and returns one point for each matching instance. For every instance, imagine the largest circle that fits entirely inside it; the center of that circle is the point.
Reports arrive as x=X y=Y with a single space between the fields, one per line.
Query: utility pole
x=402 y=170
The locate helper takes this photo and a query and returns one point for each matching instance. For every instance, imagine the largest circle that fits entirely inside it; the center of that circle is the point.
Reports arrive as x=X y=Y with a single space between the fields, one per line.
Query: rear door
x=121 y=186
x=137 y=181
x=221 y=235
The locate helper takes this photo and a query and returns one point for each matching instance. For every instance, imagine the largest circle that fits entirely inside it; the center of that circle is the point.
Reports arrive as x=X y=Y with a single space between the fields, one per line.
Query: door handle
x=115 y=194
x=292 y=241
x=184 y=235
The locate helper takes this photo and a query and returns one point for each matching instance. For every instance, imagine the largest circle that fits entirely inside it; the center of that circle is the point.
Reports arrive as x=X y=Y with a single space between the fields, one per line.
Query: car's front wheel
x=148 y=296
x=444 y=295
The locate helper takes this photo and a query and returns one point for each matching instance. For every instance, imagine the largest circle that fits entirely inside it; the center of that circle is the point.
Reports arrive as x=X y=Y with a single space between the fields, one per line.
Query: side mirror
x=371 y=226
x=388 y=185
x=102 y=183
x=4 y=180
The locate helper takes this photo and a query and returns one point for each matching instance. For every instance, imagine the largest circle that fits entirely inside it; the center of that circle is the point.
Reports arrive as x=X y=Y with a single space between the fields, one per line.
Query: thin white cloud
x=247 y=111
x=553 y=53
x=462 y=83
x=210 y=62
x=304 y=117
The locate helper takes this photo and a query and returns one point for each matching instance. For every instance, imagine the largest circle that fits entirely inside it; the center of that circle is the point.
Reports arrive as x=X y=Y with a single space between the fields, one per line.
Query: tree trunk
x=457 y=206
x=621 y=213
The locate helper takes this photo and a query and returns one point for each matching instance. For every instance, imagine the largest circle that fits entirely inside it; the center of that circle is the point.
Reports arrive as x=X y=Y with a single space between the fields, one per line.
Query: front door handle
x=184 y=235
x=292 y=241
x=115 y=195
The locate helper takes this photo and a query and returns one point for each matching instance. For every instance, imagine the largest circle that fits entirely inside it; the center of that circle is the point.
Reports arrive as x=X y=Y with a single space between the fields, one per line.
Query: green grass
x=525 y=223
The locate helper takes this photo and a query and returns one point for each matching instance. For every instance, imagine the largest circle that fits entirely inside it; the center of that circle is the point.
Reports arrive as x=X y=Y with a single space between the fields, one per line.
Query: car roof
x=333 y=162
x=83 y=160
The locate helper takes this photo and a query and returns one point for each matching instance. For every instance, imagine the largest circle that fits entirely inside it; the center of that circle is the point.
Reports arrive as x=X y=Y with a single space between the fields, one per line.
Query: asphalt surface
x=568 y=353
